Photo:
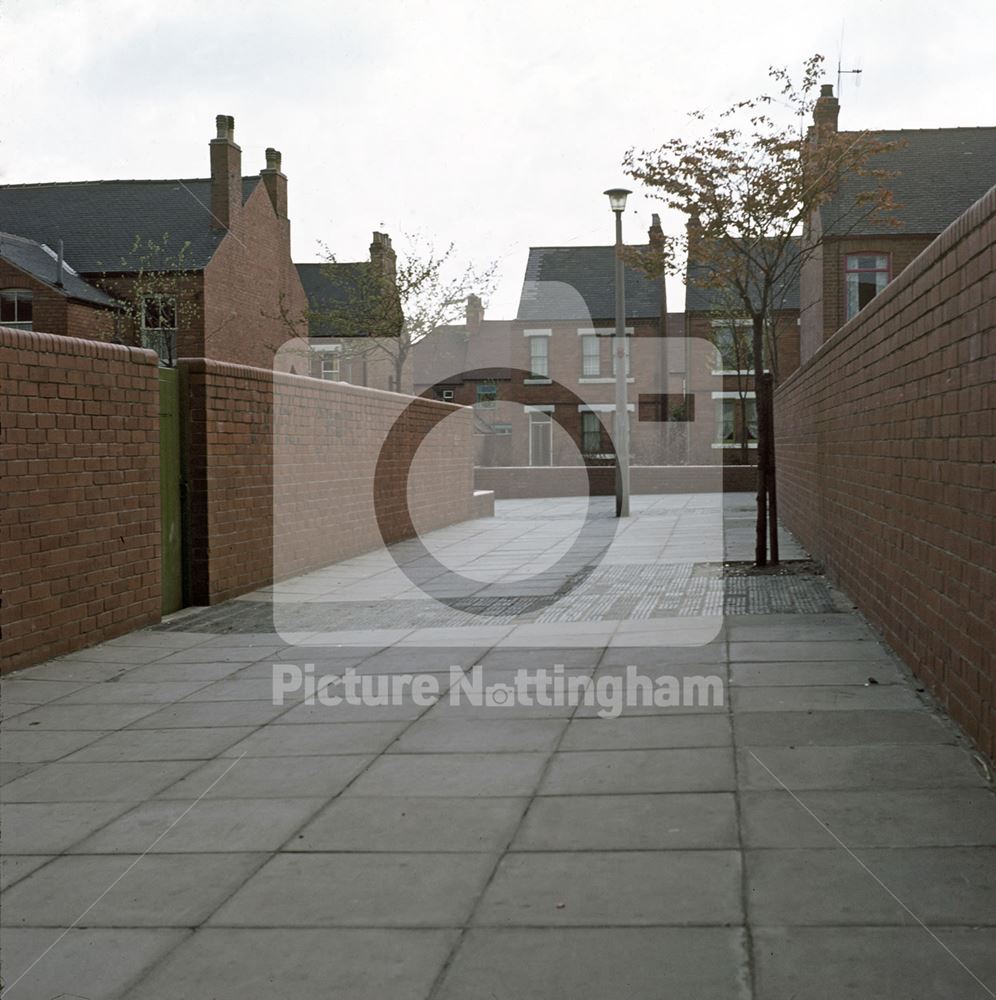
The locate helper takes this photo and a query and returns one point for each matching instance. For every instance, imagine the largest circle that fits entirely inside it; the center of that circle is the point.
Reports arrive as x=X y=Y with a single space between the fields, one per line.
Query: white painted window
x=16 y=307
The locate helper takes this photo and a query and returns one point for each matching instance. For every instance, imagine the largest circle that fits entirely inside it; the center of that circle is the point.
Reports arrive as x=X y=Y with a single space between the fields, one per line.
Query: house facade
x=543 y=385
x=936 y=174
x=202 y=266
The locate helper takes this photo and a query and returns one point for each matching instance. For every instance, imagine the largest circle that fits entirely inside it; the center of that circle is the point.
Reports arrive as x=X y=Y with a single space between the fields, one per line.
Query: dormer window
x=16 y=308
x=866 y=274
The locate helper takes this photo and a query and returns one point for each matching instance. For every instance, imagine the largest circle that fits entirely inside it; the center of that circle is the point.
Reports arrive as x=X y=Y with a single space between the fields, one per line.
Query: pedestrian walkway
x=817 y=833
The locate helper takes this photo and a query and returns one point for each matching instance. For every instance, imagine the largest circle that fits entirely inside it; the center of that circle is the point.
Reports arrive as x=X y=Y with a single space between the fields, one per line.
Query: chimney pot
x=272 y=158
x=826 y=90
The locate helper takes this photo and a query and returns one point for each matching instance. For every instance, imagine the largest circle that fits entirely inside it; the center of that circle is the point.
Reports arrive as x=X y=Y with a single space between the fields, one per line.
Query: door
x=169 y=490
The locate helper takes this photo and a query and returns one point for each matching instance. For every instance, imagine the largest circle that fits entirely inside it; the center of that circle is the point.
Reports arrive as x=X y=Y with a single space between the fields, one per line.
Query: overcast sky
x=492 y=125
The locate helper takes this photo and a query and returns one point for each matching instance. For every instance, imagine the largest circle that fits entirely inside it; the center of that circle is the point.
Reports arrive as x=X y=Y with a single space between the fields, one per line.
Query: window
x=733 y=417
x=591 y=434
x=159 y=326
x=866 y=274
x=16 y=308
x=734 y=341
x=446 y=395
x=591 y=356
x=539 y=357
x=540 y=438
x=502 y=429
x=330 y=366
x=487 y=394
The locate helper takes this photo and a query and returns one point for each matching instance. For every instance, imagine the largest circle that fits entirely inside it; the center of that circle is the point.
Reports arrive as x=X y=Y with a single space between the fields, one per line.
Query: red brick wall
x=281 y=471
x=887 y=464
x=253 y=298
x=79 y=476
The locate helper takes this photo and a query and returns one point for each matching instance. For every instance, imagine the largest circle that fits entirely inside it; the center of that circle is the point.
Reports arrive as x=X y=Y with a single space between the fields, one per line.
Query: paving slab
x=359 y=890
x=494 y=774
x=269 y=778
x=836 y=673
x=89 y=964
x=105 y=782
x=942 y=886
x=828 y=698
x=412 y=824
x=127 y=890
x=325 y=964
x=133 y=745
x=209 y=826
x=453 y=735
x=53 y=827
x=613 y=888
x=648 y=732
x=887 y=963
x=840 y=728
x=608 y=772
x=39 y=746
x=14 y=867
x=937 y=817
x=637 y=963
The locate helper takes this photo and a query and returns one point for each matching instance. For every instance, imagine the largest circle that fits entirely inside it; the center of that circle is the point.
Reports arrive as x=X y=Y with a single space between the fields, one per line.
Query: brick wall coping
x=33 y=340
x=248 y=373
x=973 y=218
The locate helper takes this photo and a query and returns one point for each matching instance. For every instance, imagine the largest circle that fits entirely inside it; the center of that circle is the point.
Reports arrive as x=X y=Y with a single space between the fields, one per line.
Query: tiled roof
x=941 y=172
x=577 y=283
x=98 y=221
x=42 y=262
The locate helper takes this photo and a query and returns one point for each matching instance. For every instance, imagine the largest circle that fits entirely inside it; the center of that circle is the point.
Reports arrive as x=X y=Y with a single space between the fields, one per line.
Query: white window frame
x=723 y=396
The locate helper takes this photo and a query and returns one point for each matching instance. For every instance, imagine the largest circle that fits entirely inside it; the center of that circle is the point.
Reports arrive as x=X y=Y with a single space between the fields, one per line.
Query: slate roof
x=98 y=221
x=577 y=283
x=941 y=172
x=42 y=262
x=705 y=299
x=329 y=286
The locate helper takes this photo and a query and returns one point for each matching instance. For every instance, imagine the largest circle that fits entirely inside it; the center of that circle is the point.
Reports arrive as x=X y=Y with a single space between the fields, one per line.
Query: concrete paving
x=819 y=833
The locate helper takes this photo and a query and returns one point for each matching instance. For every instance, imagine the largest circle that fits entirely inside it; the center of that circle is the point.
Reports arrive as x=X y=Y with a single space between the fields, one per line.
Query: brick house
x=543 y=385
x=40 y=290
x=939 y=174
x=348 y=303
x=204 y=265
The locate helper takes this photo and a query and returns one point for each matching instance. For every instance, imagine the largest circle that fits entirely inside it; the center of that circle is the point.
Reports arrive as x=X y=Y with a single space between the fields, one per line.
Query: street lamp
x=617 y=202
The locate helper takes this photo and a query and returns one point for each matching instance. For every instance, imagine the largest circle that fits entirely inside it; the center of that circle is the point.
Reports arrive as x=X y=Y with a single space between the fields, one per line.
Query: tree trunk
x=761 y=535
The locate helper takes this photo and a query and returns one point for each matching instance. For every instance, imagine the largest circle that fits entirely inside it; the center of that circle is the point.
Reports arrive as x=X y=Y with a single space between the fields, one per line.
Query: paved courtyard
x=820 y=833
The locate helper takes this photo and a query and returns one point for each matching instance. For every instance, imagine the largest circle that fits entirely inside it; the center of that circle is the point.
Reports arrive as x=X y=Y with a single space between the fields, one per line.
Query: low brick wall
x=522 y=482
x=283 y=471
x=887 y=464
x=79 y=476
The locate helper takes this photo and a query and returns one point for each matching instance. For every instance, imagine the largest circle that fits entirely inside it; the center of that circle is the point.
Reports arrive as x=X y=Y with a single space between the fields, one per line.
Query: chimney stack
x=59 y=266
x=826 y=111
x=655 y=232
x=275 y=182
x=475 y=313
x=226 y=176
x=693 y=230
x=383 y=257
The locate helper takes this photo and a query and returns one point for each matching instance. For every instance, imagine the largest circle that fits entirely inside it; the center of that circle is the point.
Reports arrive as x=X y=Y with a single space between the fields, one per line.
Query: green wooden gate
x=169 y=486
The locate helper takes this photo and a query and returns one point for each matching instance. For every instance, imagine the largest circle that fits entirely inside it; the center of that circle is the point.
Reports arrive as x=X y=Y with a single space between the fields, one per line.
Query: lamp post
x=617 y=202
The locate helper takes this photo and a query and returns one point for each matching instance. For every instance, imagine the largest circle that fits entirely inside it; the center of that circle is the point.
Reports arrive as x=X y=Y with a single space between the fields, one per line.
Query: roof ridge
x=123 y=180
x=936 y=128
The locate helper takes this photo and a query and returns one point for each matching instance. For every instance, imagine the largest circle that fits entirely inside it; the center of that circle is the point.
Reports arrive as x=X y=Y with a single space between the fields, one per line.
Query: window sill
x=723 y=444
x=602 y=380
x=537 y=381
